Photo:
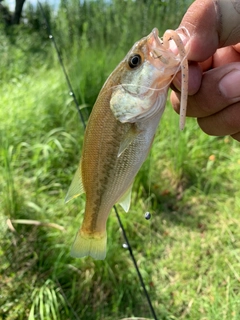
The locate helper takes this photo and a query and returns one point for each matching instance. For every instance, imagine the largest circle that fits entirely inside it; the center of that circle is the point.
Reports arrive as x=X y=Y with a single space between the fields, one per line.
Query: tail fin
x=88 y=245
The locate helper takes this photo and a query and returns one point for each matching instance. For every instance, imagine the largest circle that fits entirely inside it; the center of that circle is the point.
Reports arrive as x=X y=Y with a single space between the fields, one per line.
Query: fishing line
x=84 y=125
x=71 y=92
x=135 y=264
x=147 y=214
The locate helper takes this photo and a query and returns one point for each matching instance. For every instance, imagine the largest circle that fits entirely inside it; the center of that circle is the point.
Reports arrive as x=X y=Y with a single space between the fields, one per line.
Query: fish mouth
x=160 y=56
x=156 y=37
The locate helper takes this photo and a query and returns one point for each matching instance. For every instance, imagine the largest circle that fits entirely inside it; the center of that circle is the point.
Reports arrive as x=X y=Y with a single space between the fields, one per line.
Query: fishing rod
x=147 y=215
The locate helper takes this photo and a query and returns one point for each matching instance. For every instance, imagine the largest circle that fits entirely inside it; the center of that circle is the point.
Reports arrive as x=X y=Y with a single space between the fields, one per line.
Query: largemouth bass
x=120 y=132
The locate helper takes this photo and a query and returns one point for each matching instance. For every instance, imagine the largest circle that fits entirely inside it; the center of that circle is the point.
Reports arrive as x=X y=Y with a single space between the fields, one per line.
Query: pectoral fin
x=128 y=138
x=76 y=188
x=125 y=201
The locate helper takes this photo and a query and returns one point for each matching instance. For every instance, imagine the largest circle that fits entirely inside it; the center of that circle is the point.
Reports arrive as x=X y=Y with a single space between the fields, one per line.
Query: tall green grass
x=188 y=253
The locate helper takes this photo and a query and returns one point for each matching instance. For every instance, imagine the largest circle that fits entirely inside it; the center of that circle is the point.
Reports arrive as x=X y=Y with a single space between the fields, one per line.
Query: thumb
x=211 y=25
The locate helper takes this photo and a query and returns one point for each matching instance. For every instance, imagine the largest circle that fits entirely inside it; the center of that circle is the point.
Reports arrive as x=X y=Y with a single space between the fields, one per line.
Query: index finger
x=211 y=25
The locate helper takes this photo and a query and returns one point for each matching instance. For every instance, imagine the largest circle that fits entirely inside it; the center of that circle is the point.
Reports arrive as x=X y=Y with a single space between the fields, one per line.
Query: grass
x=188 y=252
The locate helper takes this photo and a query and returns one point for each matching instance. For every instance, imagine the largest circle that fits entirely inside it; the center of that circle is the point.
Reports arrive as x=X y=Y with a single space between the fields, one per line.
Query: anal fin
x=125 y=200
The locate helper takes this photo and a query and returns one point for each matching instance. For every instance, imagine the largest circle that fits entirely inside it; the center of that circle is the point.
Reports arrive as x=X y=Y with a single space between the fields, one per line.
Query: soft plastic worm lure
x=173 y=35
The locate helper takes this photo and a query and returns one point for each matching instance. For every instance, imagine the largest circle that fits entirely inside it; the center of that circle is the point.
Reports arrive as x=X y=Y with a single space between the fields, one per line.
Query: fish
x=120 y=132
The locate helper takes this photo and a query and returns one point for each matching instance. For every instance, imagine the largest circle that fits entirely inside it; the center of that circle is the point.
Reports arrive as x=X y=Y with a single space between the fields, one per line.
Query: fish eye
x=134 y=61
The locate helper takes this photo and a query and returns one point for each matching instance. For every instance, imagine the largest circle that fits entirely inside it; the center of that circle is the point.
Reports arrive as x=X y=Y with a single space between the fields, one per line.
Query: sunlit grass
x=187 y=253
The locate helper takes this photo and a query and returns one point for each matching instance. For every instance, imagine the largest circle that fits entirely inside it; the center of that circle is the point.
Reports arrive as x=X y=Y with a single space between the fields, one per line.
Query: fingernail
x=230 y=84
x=184 y=36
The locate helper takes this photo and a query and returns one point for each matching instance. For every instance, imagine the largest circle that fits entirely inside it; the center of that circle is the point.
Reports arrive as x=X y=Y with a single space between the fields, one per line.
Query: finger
x=219 y=89
x=237 y=47
x=229 y=28
x=175 y=101
x=207 y=64
x=211 y=25
x=225 y=55
x=225 y=122
x=194 y=80
x=222 y=57
x=236 y=136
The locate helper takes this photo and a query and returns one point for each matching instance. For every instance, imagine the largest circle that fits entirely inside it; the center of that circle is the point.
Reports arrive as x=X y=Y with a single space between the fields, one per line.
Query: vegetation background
x=188 y=253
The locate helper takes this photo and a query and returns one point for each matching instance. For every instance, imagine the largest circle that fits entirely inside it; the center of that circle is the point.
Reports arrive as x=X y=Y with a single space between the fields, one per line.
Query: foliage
x=188 y=253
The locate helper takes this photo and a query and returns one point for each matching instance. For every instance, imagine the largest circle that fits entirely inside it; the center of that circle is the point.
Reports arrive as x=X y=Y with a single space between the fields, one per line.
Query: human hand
x=214 y=67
